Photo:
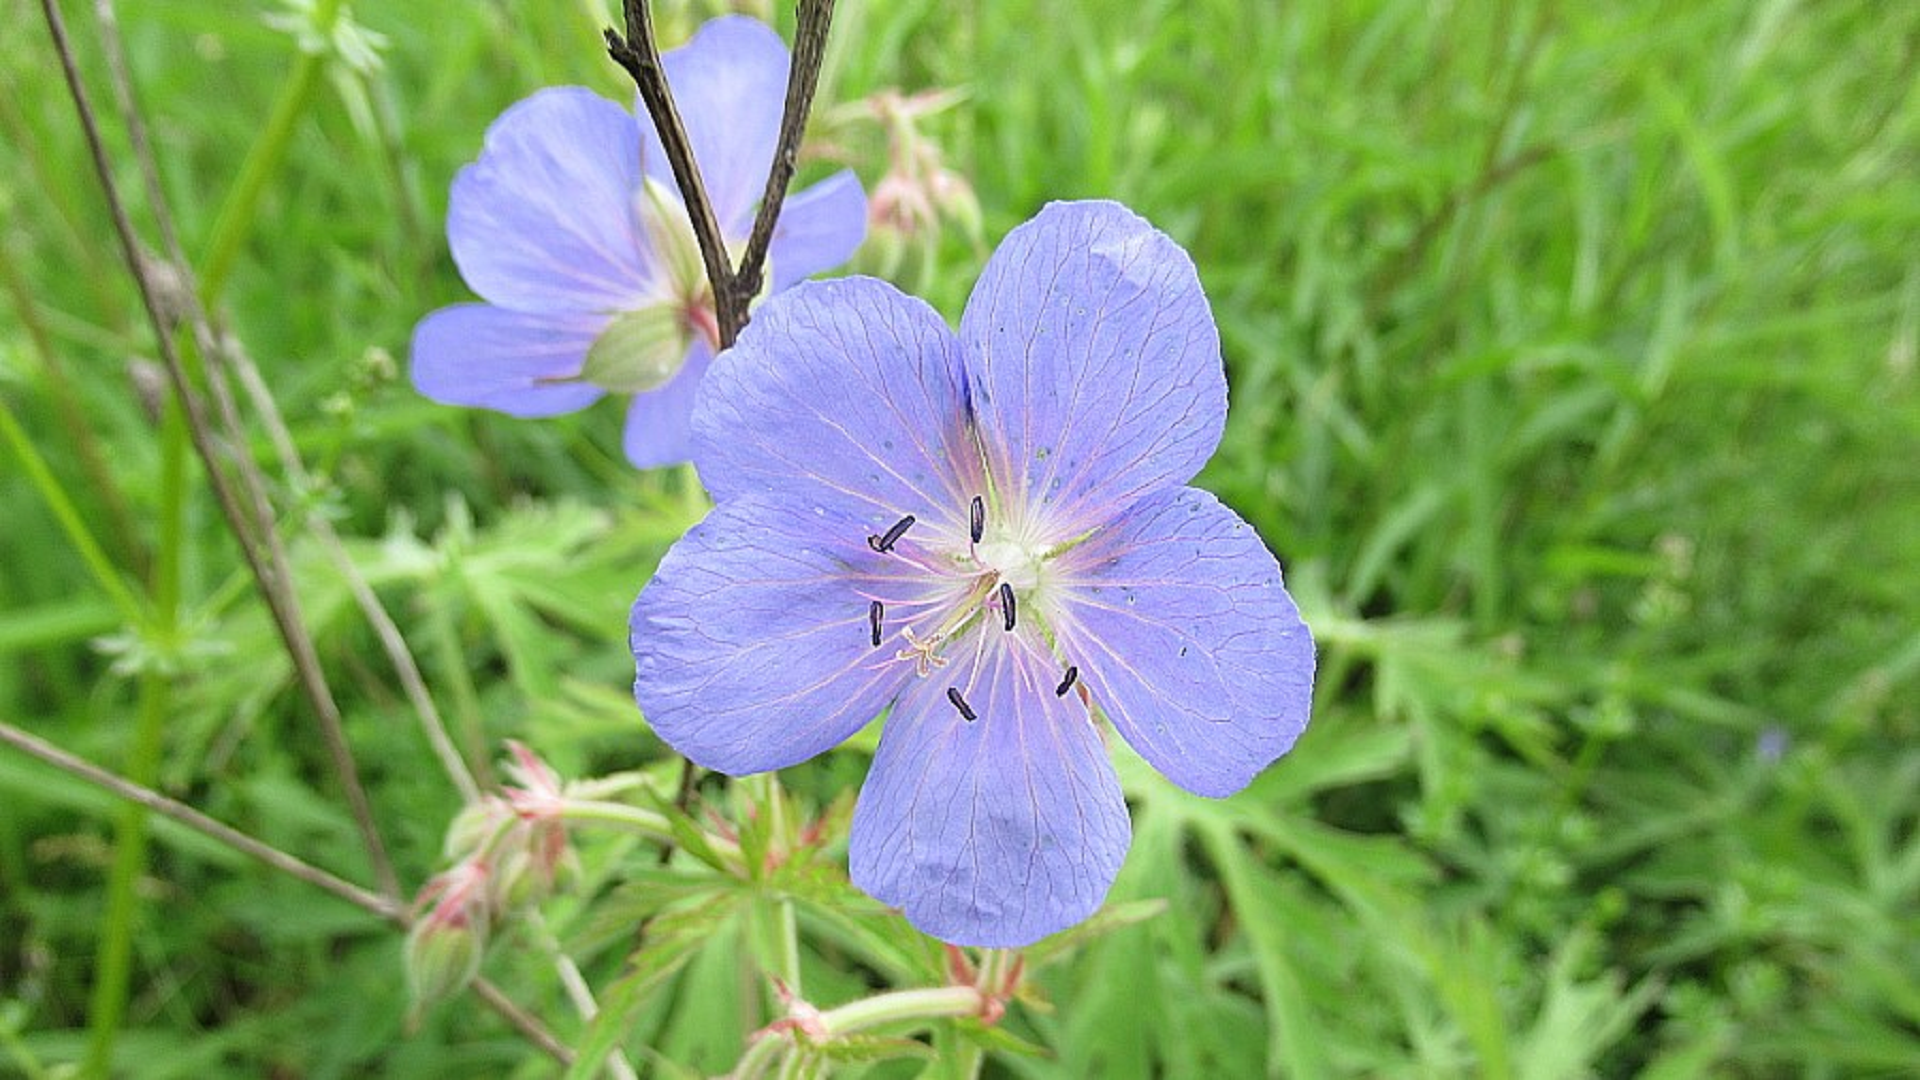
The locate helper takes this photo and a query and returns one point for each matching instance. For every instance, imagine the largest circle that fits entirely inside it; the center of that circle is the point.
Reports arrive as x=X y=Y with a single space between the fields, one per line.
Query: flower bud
x=441 y=959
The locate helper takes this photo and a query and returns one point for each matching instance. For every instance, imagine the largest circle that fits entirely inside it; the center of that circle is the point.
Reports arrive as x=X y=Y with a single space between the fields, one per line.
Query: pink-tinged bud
x=441 y=961
x=918 y=198
x=449 y=933
x=531 y=858
x=477 y=826
x=954 y=198
x=536 y=791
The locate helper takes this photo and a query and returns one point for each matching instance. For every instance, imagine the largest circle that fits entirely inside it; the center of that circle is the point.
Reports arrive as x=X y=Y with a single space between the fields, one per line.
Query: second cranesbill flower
x=571 y=227
x=992 y=535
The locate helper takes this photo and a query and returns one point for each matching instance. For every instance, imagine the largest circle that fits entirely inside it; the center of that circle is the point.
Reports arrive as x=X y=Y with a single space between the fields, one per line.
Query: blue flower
x=992 y=535
x=571 y=226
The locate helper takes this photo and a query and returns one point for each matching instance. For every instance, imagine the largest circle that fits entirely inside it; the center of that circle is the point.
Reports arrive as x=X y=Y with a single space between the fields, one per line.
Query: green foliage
x=1572 y=352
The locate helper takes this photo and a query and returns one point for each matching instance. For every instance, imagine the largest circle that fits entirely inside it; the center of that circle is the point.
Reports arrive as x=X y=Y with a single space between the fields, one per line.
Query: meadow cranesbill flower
x=992 y=534
x=570 y=225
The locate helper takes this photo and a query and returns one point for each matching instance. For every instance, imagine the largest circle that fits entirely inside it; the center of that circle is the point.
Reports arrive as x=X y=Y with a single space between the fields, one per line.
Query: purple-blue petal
x=846 y=388
x=994 y=832
x=1184 y=634
x=509 y=361
x=751 y=643
x=1094 y=362
x=543 y=221
x=659 y=428
x=819 y=229
x=730 y=84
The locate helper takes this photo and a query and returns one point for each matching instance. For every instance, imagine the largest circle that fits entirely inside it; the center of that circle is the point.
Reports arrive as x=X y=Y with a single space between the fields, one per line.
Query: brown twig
x=222 y=351
x=386 y=908
x=803 y=77
x=639 y=54
x=251 y=520
x=34 y=746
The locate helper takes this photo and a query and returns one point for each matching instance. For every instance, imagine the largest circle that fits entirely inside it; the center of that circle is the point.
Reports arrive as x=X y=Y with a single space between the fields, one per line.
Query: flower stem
x=387 y=909
x=237 y=211
x=803 y=76
x=114 y=957
x=132 y=611
x=639 y=53
x=896 y=1007
x=237 y=485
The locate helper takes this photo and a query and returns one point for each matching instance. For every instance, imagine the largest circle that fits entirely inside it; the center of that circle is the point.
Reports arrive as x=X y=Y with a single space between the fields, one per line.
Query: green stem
x=897 y=1007
x=644 y=822
x=113 y=963
x=22 y=1055
x=75 y=526
x=236 y=216
x=451 y=660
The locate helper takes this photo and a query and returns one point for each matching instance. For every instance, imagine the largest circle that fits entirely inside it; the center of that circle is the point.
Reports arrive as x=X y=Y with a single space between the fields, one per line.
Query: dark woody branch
x=639 y=54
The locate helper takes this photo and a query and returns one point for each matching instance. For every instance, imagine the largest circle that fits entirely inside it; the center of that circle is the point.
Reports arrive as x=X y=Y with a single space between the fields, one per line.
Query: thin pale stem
x=250 y=520
x=576 y=987
x=186 y=815
x=897 y=1007
x=261 y=161
x=385 y=908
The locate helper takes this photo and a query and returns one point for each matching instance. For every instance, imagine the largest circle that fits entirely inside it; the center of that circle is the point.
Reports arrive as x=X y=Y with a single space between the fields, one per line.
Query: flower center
x=1016 y=563
x=985 y=582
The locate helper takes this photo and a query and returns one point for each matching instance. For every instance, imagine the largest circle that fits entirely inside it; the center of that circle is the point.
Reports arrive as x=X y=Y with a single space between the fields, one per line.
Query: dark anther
x=953 y=695
x=875 y=612
x=977 y=521
x=1066 y=684
x=1006 y=604
x=884 y=544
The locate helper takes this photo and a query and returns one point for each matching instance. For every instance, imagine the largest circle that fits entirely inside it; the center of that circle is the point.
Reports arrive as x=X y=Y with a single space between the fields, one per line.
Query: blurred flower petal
x=509 y=361
x=819 y=229
x=544 y=220
x=730 y=85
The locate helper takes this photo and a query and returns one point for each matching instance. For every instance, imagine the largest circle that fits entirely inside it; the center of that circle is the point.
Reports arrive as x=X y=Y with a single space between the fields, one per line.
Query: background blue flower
x=570 y=225
x=991 y=534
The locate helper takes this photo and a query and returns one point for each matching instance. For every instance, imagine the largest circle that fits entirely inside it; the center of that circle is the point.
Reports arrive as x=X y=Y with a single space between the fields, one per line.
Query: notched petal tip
x=1096 y=362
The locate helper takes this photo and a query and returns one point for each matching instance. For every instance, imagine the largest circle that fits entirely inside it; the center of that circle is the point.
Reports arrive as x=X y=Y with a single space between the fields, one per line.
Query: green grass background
x=1572 y=351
